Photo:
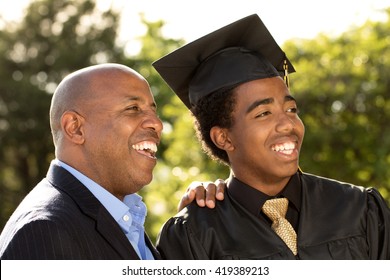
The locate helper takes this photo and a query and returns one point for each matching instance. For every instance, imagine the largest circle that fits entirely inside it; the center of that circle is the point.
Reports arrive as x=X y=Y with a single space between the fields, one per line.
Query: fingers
x=194 y=190
x=205 y=194
x=186 y=199
x=214 y=191
x=221 y=185
x=201 y=195
x=211 y=190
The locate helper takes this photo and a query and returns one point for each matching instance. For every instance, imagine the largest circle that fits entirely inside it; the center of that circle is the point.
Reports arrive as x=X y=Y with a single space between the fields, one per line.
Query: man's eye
x=293 y=110
x=132 y=108
x=263 y=114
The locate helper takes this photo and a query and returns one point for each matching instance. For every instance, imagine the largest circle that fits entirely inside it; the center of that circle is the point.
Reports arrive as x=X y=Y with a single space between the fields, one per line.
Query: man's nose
x=153 y=121
x=285 y=123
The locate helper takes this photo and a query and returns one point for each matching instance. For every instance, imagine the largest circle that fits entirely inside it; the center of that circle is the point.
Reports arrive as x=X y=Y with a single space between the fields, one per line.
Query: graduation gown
x=336 y=221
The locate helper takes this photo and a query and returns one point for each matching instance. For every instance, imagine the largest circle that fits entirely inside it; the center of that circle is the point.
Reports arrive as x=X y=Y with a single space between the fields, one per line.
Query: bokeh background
x=342 y=85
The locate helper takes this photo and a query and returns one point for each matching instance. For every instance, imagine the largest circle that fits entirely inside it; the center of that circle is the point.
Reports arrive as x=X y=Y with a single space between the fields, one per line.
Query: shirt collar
x=119 y=210
x=253 y=200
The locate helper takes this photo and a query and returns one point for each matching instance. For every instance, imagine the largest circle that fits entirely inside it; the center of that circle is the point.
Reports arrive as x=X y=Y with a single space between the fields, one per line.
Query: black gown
x=335 y=221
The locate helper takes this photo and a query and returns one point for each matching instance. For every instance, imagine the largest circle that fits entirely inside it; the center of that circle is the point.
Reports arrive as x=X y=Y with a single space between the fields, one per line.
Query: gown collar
x=253 y=200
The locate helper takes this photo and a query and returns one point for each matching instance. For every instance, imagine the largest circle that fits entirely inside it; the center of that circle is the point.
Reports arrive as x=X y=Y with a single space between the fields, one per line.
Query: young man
x=234 y=81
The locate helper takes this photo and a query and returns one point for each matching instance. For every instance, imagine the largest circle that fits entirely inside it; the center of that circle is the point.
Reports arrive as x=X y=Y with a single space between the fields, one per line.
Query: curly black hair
x=214 y=110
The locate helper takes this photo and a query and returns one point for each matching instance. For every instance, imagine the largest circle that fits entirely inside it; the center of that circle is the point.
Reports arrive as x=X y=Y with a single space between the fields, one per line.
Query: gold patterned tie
x=276 y=210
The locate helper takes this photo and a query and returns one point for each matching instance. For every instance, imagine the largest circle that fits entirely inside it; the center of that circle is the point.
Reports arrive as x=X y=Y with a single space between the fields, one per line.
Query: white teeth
x=145 y=146
x=285 y=147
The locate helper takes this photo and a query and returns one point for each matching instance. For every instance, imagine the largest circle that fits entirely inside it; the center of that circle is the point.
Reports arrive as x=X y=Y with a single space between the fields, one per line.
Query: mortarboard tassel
x=286 y=79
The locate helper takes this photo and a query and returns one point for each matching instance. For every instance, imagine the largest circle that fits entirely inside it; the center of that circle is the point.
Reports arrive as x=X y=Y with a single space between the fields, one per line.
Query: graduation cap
x=239 y=52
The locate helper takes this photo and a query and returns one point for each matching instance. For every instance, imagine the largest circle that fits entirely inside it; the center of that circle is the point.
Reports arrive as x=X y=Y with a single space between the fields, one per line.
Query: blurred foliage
x=341 y=84
x=53 y=39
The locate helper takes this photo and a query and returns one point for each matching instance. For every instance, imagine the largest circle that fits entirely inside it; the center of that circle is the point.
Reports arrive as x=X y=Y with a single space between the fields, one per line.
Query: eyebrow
x=266 y=101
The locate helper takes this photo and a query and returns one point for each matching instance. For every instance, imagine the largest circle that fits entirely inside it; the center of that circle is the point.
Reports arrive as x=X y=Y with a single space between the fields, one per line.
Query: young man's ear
x=73 y=127
x=221 y=139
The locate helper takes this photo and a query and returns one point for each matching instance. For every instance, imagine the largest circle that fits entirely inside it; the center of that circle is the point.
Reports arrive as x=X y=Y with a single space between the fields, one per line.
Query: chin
x=146 y=180
x=288 y=172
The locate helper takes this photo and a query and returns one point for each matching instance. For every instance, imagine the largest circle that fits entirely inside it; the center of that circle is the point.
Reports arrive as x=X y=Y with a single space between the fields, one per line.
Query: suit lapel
x=149 y=243
x=111 y=231
x=90 y=206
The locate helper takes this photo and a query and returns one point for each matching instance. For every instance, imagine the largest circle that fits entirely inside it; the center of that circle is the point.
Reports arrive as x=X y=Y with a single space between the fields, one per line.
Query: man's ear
x=221 y=139
x=73 y=127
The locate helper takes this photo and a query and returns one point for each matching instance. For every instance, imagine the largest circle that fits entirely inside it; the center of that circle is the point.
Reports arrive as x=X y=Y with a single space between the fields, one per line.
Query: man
x=106 y=132
x=235 y=82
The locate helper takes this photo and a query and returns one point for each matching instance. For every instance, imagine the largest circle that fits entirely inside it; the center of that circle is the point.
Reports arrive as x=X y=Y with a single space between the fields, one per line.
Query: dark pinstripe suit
x=61 y=219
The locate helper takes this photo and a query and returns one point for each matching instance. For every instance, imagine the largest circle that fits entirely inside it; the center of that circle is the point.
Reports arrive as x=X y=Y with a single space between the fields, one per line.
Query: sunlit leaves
x=342 y=85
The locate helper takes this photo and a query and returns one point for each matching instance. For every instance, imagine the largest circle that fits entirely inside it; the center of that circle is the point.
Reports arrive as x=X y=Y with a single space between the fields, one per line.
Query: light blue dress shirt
x=129 y=214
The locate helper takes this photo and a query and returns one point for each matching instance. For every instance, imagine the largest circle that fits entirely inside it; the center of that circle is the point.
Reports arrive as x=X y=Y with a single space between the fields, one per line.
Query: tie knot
x=275 y=208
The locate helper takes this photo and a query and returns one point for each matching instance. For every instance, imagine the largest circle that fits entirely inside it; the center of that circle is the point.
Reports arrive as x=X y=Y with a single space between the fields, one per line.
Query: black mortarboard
x=239 y=52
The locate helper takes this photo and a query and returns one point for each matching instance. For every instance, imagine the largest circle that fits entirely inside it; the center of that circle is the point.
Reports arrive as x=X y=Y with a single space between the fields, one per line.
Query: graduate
x=235 y=83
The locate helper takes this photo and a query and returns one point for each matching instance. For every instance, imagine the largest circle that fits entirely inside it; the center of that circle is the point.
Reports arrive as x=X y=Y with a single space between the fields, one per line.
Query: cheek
x=249 y=137
x=109 y=142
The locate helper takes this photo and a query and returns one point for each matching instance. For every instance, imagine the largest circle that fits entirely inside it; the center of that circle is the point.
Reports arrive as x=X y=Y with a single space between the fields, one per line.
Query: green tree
x=54 y=38
x=343 y=85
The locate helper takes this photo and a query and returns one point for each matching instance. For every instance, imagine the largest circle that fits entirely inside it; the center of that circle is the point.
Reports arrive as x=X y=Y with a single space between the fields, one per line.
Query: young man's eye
x=293 y=110
x=263 y=114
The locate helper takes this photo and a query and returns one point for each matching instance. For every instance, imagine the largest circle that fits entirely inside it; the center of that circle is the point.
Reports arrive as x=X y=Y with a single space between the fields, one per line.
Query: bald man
x=106 y=132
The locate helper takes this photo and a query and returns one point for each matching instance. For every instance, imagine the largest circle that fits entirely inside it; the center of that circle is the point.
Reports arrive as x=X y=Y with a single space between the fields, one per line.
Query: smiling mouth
x=146 y=148
x=285 y=148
